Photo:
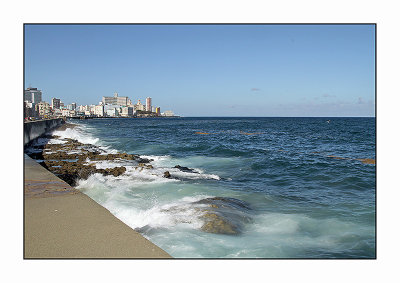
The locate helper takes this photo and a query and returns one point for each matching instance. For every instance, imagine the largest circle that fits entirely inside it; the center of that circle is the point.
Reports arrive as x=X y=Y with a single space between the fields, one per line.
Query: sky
x=209 y=70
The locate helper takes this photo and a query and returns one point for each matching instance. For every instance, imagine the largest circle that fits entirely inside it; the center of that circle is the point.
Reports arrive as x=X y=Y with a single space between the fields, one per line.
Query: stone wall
x=34 y=129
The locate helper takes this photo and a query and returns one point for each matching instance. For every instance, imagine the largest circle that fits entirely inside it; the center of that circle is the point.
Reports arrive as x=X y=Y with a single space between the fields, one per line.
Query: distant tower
x=55 y=103
x=115 y=94
x=148 y=104
x=32 y=94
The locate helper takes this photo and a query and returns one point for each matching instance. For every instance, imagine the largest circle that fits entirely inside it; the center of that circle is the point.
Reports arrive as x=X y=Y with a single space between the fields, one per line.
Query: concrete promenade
x=61 y=222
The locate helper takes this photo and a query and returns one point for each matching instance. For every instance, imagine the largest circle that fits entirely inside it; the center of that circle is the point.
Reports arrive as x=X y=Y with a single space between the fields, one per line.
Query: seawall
x=34 y=129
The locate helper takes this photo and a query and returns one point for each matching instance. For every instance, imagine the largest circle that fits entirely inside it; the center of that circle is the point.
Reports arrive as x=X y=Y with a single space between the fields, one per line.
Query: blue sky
x=209 y=70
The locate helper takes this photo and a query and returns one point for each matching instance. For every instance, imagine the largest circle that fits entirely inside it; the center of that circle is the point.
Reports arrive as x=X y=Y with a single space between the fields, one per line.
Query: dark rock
x=85 y=172
x=69 y=178
x=224 y=215
x=143 y=160
x=143 y=165
x=185 y=169
x=219 y=215
x=217 y=224
x=167 y=174
x=116 y=171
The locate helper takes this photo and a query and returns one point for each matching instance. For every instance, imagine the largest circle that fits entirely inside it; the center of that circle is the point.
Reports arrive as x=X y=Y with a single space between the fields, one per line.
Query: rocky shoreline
x=70 y=160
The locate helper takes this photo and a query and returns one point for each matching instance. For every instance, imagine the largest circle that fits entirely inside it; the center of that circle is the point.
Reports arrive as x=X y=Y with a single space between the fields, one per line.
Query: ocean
x=273 y=187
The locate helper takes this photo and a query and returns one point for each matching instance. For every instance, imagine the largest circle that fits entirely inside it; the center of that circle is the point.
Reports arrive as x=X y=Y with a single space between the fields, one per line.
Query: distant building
x=29 y=110
x=112 y=112
x=139 y=106
x=116 y=100
x=158 y=111
x=148 y=104
x=99 y=110
x=92 y=108
x=115 y=110
x=43 y=109
x=33 y=95
x=57 y=112
x=71 y=106
x=127 y=111
x=55 y=103
x=67 y=113
x=168 y=113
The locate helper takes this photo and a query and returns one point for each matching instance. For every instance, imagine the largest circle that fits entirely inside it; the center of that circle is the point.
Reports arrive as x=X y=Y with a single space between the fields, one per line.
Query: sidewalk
x=61 y=222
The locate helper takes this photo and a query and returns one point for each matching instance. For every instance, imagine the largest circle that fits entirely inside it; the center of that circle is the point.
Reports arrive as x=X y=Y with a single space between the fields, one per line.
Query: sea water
x=310 y=195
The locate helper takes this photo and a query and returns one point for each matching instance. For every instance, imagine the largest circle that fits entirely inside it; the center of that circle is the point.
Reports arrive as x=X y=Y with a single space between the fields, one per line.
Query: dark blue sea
x=291 y=187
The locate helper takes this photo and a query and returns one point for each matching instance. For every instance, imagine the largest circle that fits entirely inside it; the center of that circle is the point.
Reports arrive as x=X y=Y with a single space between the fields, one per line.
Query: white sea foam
x=77 y=133
x=136 y=208
x=158 y=160
x=56 y=141
x=189 y=175
x=161 y=215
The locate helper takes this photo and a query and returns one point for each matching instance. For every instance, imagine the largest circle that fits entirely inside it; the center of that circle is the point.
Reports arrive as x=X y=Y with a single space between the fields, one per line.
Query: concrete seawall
x=35 y=129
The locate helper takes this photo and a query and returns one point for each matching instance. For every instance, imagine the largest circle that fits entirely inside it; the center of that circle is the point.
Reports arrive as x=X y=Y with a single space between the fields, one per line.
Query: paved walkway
x=61 y=222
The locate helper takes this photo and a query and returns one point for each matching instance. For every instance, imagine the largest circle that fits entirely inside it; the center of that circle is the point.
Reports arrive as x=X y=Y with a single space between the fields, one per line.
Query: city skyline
x=109 y=106
x=209 y=70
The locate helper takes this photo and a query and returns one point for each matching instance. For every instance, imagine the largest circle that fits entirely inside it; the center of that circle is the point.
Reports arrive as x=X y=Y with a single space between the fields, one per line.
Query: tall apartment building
x=32 y=94
x=148 y=104
x=55 y=103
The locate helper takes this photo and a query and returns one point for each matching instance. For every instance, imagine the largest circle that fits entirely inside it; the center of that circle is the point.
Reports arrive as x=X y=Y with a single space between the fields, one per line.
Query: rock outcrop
x=219 y=215
x=185 y=169
x=224 y=215
x=68 y=160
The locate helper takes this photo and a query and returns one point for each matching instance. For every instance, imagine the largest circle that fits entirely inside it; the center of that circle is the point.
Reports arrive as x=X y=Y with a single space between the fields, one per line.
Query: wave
x=77 y=133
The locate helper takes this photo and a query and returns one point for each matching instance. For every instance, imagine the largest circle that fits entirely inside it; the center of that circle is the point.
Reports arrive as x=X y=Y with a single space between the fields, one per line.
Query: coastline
x=62 y=222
